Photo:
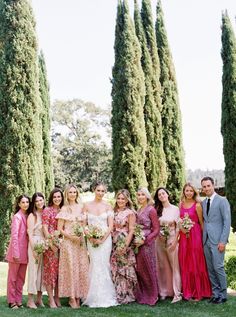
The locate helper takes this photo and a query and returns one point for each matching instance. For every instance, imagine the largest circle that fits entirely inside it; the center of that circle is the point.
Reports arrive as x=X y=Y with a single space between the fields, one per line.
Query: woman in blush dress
x=147 y=287
x=51 y=256
x=101 y=288
x=168 y=272
x=73 y=260
x=17 y=253
x=35 y=264
x=195 y=280
x=123 y=258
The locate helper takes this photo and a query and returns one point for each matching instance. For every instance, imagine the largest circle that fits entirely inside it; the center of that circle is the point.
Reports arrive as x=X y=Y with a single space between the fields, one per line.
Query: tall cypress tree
x=128 y=90
x=46 y=124
x=20 y=131
x=171 y=115
x=149 y=30
x=228 y=116
x=155 y=166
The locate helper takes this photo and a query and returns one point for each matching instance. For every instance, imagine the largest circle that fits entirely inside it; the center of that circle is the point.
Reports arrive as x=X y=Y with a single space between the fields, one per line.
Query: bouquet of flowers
x=138 y=237
x=165 y=232
x=186 y=223
x=55 y=239
x=120 y=245
x=39 y=249
x=78 y=230
x=93 y=232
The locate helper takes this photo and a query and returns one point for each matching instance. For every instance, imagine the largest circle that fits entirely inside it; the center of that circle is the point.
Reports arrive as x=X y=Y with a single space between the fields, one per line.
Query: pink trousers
x=15 y=282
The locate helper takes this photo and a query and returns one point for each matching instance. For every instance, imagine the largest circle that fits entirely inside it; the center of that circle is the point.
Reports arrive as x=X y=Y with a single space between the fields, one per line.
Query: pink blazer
x=18 y=247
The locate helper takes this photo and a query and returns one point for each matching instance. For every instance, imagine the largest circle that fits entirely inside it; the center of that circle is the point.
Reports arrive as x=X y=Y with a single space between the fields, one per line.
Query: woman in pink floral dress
x=73 y=261
x=51 y=256
x=123 y=258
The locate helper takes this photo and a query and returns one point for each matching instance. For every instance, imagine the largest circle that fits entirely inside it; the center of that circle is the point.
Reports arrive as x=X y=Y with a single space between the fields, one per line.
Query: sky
x=77 y=39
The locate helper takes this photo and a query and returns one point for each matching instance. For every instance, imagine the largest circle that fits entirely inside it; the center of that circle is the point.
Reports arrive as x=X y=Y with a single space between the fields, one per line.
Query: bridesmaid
x=195 y=280
x=123 y=260
x=35 y=264
x=50 y=258
x=17 y=256
x=73 y=260
x=147 y=289
x=167 y=249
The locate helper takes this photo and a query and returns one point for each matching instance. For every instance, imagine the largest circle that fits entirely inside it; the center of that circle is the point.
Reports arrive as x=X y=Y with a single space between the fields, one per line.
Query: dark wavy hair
x=157 y=203
x=32 y=208
x=50 y=199
x=98 y=183
x=18 y=200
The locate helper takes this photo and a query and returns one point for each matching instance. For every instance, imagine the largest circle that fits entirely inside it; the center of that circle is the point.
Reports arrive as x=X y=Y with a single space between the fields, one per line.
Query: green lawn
x=162 y=309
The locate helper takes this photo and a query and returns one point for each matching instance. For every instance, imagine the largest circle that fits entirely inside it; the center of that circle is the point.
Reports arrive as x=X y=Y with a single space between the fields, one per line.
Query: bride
x=101 y=289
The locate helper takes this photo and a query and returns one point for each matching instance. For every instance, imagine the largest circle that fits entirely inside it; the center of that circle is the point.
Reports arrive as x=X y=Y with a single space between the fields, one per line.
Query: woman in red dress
x=50 y=258
x=194 y=275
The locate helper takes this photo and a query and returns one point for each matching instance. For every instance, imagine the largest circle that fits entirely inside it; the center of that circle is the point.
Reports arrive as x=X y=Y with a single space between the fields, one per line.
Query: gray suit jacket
x=218 y=221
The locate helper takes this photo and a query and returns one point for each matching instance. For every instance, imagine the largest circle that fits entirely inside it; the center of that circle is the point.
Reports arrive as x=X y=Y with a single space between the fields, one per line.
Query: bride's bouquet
x=186 y=223
x=94 y=232
x=138 y=237
x=165 y=232
x=39 y=249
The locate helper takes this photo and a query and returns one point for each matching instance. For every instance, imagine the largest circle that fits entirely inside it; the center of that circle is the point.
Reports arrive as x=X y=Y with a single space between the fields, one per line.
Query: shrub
x=230 y=268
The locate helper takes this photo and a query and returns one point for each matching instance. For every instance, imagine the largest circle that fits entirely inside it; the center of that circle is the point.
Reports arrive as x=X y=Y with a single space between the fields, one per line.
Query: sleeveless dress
x=123 y=272
x=101 y=288
x=195 y=280
x=35 y=270
x=168 y=271
x=73 y=260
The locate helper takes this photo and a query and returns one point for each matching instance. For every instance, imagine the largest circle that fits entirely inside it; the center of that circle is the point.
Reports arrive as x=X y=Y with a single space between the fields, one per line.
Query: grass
x=162 y=309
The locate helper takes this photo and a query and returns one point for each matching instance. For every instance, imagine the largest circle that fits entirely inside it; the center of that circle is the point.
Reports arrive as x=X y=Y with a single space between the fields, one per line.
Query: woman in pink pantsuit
x=17 y=253
x=168 y=272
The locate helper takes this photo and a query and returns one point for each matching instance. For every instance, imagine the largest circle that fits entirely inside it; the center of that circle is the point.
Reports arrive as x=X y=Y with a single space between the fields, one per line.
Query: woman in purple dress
x=147 y=289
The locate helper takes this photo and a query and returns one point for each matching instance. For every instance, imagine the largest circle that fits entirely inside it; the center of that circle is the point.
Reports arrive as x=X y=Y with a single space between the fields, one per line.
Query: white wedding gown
x=101 y=288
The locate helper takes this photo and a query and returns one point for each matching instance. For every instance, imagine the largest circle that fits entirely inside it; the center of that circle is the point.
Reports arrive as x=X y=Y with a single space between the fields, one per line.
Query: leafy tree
x=20 y=127
x=155 y=167
x=171 y=115
x=128 y=91
x=228 y=105
x=80 y=154
x=46 y=124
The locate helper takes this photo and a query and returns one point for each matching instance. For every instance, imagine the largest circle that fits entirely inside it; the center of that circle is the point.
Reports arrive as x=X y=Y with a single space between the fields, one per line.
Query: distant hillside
x=195 y=177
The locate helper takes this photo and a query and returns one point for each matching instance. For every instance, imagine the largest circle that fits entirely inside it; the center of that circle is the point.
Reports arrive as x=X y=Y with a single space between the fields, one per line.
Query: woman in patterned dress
x=147 y=290
x=51 y=256
x=123 y=258
x=35 y=264
x=73 y=260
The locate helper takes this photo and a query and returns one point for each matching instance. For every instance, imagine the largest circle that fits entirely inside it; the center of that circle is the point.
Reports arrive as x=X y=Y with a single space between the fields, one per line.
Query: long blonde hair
x=66 y=191
x=146 y=192
x=126 y=194
x=195 y=196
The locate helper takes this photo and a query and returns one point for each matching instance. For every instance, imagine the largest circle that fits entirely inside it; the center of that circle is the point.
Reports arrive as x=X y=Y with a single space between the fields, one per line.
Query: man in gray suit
x=217 y=221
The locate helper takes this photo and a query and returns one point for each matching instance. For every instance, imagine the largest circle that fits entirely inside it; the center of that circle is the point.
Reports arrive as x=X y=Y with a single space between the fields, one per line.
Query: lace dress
x=101 y=289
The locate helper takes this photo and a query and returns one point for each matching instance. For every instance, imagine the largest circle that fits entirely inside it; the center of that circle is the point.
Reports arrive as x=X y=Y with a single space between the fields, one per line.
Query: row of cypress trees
x=25 y=160
x=146 y=119
x=228 y=117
